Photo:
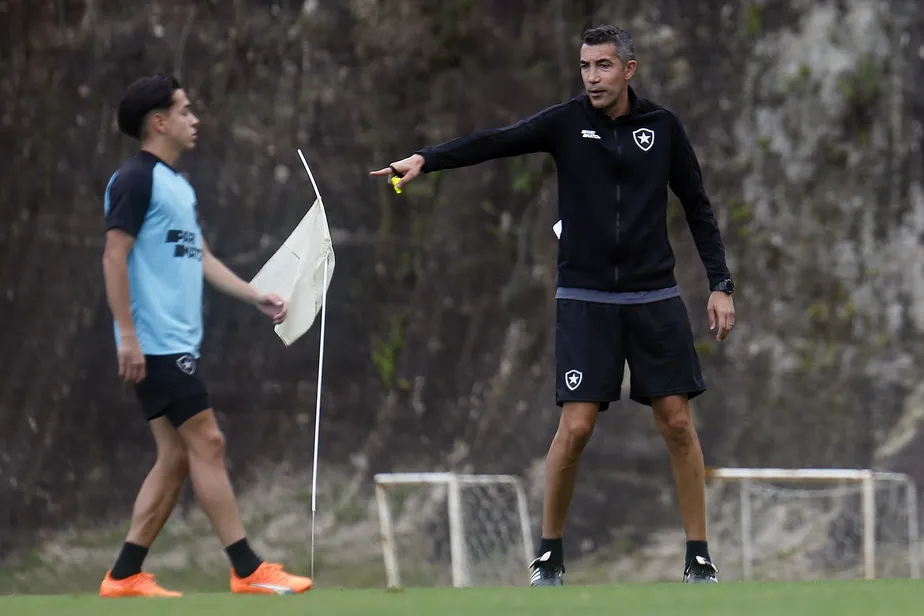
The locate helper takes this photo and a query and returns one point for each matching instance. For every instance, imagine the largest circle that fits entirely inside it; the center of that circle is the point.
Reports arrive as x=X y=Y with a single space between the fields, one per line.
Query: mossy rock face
x=439 y=351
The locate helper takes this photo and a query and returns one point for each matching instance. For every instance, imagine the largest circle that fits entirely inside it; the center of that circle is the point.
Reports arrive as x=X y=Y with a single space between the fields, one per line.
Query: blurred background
x=805 y=114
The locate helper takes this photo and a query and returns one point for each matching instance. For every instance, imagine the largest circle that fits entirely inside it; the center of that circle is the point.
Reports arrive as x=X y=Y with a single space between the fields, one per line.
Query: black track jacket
x=613 y=177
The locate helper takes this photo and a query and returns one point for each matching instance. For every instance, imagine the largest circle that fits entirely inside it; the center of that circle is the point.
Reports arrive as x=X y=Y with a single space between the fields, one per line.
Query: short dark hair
x=620 y=39
x=153 y=93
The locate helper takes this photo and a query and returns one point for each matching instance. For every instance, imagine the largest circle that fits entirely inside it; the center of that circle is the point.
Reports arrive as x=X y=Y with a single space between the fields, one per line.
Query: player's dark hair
x=620 y=39
x=153 y=93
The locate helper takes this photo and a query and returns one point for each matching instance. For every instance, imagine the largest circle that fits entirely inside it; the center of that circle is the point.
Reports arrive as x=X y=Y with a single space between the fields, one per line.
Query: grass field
x=879 y=598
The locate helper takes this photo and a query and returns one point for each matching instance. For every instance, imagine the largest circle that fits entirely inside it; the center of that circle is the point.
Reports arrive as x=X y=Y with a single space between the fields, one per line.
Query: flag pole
x=317 y=415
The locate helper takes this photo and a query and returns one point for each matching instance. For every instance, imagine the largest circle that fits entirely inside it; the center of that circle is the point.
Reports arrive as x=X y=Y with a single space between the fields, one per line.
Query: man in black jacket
x=617 y=299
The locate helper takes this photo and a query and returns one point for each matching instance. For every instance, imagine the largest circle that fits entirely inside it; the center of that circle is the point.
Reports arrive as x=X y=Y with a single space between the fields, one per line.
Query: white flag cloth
x=300 y=272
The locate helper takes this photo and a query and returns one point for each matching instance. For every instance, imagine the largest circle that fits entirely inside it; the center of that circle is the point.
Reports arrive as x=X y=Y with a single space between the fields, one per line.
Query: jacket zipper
x=618 y=197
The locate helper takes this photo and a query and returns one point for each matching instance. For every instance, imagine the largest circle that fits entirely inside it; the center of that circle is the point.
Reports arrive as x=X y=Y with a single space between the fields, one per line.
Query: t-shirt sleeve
x=129 y=199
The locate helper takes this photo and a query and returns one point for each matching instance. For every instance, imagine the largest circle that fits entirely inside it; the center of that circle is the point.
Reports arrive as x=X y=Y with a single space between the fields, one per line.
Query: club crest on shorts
x=573 y=379
x=186 y=363
x=644 y=138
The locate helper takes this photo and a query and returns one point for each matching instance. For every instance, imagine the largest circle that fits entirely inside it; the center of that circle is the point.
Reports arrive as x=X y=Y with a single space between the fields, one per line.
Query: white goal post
x=803 y=518
x=484 y=519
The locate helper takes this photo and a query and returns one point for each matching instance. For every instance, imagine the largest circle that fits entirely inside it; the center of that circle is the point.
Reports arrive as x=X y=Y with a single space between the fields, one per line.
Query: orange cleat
x=138 y=585
x=269 y=579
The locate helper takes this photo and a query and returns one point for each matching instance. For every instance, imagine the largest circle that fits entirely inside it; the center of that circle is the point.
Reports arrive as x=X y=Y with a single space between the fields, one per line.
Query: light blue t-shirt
x=154 y=203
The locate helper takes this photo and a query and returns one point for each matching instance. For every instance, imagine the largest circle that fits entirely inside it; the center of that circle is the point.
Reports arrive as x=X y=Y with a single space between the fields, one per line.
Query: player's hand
x=131 y=360
x=407 y=169
x=273 y=306
x=721 y=309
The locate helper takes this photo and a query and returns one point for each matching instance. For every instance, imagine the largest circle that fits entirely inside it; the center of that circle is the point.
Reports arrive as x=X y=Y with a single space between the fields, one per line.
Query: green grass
x=879 y=598
x=39 y=579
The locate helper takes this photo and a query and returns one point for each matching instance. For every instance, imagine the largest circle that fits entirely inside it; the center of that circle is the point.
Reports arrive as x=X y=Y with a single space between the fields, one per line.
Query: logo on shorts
x=186 y=363
x=573 y=379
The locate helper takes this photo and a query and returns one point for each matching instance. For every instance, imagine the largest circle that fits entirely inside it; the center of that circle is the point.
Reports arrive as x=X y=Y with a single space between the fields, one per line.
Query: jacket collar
x=607 y=120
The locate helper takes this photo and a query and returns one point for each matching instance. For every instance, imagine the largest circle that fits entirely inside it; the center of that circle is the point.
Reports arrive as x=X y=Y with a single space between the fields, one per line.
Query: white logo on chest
x=644 y=138
x=589 y=134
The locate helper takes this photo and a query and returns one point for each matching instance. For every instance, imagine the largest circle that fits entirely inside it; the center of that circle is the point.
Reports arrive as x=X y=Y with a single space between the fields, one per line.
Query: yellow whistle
x=394 y=182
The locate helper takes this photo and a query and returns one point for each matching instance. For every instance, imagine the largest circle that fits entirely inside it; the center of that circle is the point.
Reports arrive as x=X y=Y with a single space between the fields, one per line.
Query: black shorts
x=594 y=341
x=173 y=387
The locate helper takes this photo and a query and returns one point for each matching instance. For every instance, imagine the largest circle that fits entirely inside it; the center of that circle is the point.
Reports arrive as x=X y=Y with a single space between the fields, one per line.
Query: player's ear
x=631 y=65
x=158 y=121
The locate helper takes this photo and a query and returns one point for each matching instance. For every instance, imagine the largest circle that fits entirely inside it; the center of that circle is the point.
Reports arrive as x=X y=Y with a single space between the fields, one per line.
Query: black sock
x=129 y=561
x=555 y=547
x=243 y=559
x=697 y=548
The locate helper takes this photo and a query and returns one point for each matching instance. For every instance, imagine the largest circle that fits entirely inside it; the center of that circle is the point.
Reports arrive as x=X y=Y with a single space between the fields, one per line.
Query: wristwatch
x=726 y=286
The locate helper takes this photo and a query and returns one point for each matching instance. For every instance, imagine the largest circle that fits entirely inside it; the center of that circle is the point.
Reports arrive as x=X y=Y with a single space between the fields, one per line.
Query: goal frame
x=866 y=477
x=454 y=482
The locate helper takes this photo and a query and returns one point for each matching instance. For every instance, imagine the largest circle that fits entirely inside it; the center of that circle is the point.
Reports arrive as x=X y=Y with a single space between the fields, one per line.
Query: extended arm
x=224 y=280
x=534 y=134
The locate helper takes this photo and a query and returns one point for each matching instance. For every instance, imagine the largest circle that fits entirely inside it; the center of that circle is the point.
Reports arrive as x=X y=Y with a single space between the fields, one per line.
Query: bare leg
x=574 y=430
x=251 y=575
x=675 y=422
x=161 y=488
x=206 y=445
x=153 y=505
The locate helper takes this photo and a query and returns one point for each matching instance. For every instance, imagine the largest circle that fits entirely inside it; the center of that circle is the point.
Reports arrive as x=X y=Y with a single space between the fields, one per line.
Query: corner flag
x=300 y=272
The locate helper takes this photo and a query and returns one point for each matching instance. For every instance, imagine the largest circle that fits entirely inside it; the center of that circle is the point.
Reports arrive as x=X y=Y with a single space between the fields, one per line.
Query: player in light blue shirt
x=155 y=264
x=150 y=200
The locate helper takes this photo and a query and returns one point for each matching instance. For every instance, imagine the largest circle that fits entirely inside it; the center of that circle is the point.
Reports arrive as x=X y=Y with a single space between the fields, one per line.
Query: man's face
x=179 y=124
x=604 y=74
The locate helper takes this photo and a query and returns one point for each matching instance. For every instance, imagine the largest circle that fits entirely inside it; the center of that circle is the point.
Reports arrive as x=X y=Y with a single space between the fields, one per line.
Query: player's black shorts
x=173 y=387
x=594 y=341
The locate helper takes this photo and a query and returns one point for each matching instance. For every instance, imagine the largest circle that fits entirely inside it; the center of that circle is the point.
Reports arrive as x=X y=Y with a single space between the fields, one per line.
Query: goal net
x=442 y=529
x=810 y=524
